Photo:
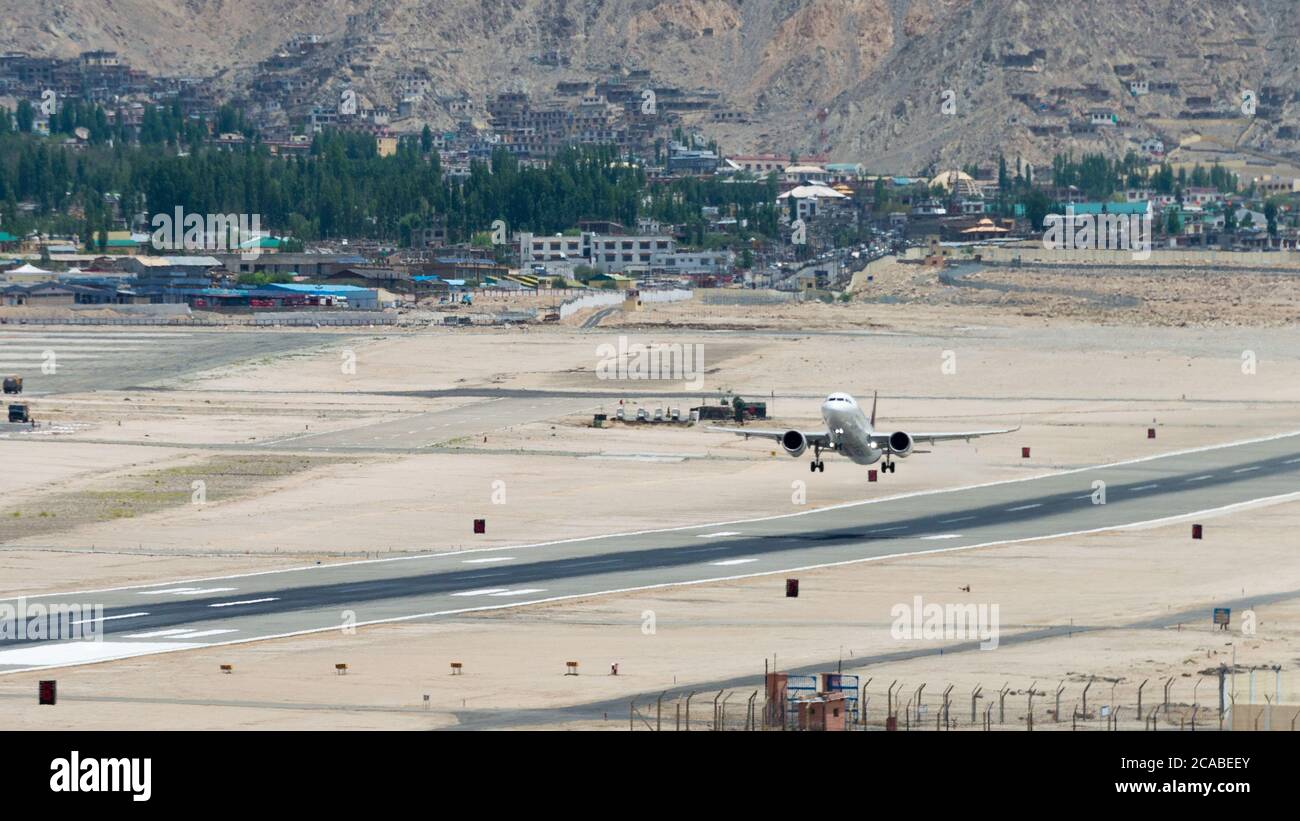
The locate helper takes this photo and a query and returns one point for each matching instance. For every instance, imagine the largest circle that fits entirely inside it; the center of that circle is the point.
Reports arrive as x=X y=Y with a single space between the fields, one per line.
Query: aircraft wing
x=820 y=438
x=882 y=439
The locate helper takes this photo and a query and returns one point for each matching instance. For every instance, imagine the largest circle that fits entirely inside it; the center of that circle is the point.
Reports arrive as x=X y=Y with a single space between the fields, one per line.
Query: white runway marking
x=492 y=559
x=168 y=590
x=600 y=561
x=485 y=592
x=520 y=592
x=84 y=652
x=958 y=519
x=183 y=633
x=1200 y=478
x=888 y=529
x=199 y=634
x=1024 y=507
x=159 y=633
x=246 y=601
x=1246 y=470
x=719 y=534
x=199 y=591
x=943 y=536
x=110 y=618
x=729 y=562
x=1146 y=487
x=1292 y=461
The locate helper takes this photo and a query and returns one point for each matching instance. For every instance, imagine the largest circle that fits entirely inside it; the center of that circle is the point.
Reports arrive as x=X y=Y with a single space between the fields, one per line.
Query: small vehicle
x=19 y=413
x=13 y=384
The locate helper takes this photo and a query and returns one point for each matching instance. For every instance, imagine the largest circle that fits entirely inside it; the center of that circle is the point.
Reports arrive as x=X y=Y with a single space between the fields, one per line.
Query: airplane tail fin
x=875 y=398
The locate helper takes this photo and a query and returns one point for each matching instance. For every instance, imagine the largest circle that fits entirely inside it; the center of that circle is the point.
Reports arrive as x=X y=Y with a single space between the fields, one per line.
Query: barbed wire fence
x=1257 y=698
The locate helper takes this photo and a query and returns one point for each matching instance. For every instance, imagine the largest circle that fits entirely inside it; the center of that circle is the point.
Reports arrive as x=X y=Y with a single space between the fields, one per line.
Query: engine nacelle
x=794 y=442
x=900 y=443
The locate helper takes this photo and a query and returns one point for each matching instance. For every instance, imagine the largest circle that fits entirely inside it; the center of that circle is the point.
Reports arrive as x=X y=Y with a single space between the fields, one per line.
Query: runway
x=76 y=360
x=203 y=612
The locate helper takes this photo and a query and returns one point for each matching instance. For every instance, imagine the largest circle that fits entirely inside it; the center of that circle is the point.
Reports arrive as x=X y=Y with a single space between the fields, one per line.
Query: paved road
x=174 y=616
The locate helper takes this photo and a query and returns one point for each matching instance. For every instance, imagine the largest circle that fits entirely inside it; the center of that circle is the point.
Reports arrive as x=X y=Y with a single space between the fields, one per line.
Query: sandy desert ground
x=110 y=501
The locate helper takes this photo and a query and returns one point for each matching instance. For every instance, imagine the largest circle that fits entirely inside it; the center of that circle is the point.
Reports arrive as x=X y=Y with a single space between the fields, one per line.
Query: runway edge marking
x=841 y=506
x=1212 y=511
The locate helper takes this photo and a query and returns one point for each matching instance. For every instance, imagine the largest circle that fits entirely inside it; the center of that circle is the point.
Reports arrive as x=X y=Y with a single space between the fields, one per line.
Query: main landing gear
x=817 y=464
x=889 y=467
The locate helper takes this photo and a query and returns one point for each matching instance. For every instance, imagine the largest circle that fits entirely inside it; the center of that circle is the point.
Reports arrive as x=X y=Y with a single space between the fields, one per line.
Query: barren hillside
x=861 y=80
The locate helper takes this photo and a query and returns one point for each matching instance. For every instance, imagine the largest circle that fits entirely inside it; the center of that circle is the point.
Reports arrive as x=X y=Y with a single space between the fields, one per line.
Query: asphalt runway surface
x=196 y=613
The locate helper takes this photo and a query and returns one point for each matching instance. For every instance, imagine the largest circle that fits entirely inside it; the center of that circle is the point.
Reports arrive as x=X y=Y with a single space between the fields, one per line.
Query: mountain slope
x=861 y=80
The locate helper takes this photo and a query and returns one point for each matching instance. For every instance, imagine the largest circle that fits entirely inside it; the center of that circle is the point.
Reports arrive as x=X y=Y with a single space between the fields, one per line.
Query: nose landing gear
x=817 y=464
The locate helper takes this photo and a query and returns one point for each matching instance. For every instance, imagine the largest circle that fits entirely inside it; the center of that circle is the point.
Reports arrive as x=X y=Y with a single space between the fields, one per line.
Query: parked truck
x=13 y=384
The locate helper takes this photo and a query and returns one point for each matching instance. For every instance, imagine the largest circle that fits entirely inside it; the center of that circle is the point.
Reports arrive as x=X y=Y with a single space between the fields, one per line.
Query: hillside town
x=804 y=224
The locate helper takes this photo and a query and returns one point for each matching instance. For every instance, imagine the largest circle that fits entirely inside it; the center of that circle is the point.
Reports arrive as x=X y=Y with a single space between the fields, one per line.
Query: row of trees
x=343 y=188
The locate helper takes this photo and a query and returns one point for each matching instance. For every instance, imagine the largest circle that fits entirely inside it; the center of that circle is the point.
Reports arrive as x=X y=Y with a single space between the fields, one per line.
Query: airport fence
x=1259 y=699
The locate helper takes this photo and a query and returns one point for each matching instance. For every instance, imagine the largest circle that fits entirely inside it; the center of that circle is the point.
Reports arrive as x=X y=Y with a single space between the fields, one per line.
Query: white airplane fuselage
x=850 y=429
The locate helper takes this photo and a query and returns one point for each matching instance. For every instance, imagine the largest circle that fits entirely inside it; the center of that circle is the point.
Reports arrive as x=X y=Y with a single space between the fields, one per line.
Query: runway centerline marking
x=729 y=562
x=158 y=633
x=153 y=588
x=198 y=634
x=109 y=618
x=44 y=664
x=1024 y=507
x=1200 y=478
x=942 y=536
x=1147 y=487
x=487 y=591
x=958 y=519
x=246 y=601
x=1246 y=470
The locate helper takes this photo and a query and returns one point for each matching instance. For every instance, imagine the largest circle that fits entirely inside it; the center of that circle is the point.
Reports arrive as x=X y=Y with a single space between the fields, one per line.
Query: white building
x=694 y=262
x=606 y=253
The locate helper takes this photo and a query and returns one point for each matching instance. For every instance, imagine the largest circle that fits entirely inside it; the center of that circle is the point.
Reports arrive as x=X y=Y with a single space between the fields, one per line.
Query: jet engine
x=794 y=442
x=900 y=443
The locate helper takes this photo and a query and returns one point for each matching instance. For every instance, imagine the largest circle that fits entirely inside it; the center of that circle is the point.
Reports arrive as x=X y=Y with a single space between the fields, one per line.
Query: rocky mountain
x=899 y=84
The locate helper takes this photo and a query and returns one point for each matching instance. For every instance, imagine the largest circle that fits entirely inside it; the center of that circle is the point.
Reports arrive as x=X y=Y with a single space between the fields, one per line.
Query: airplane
x=850 y=432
